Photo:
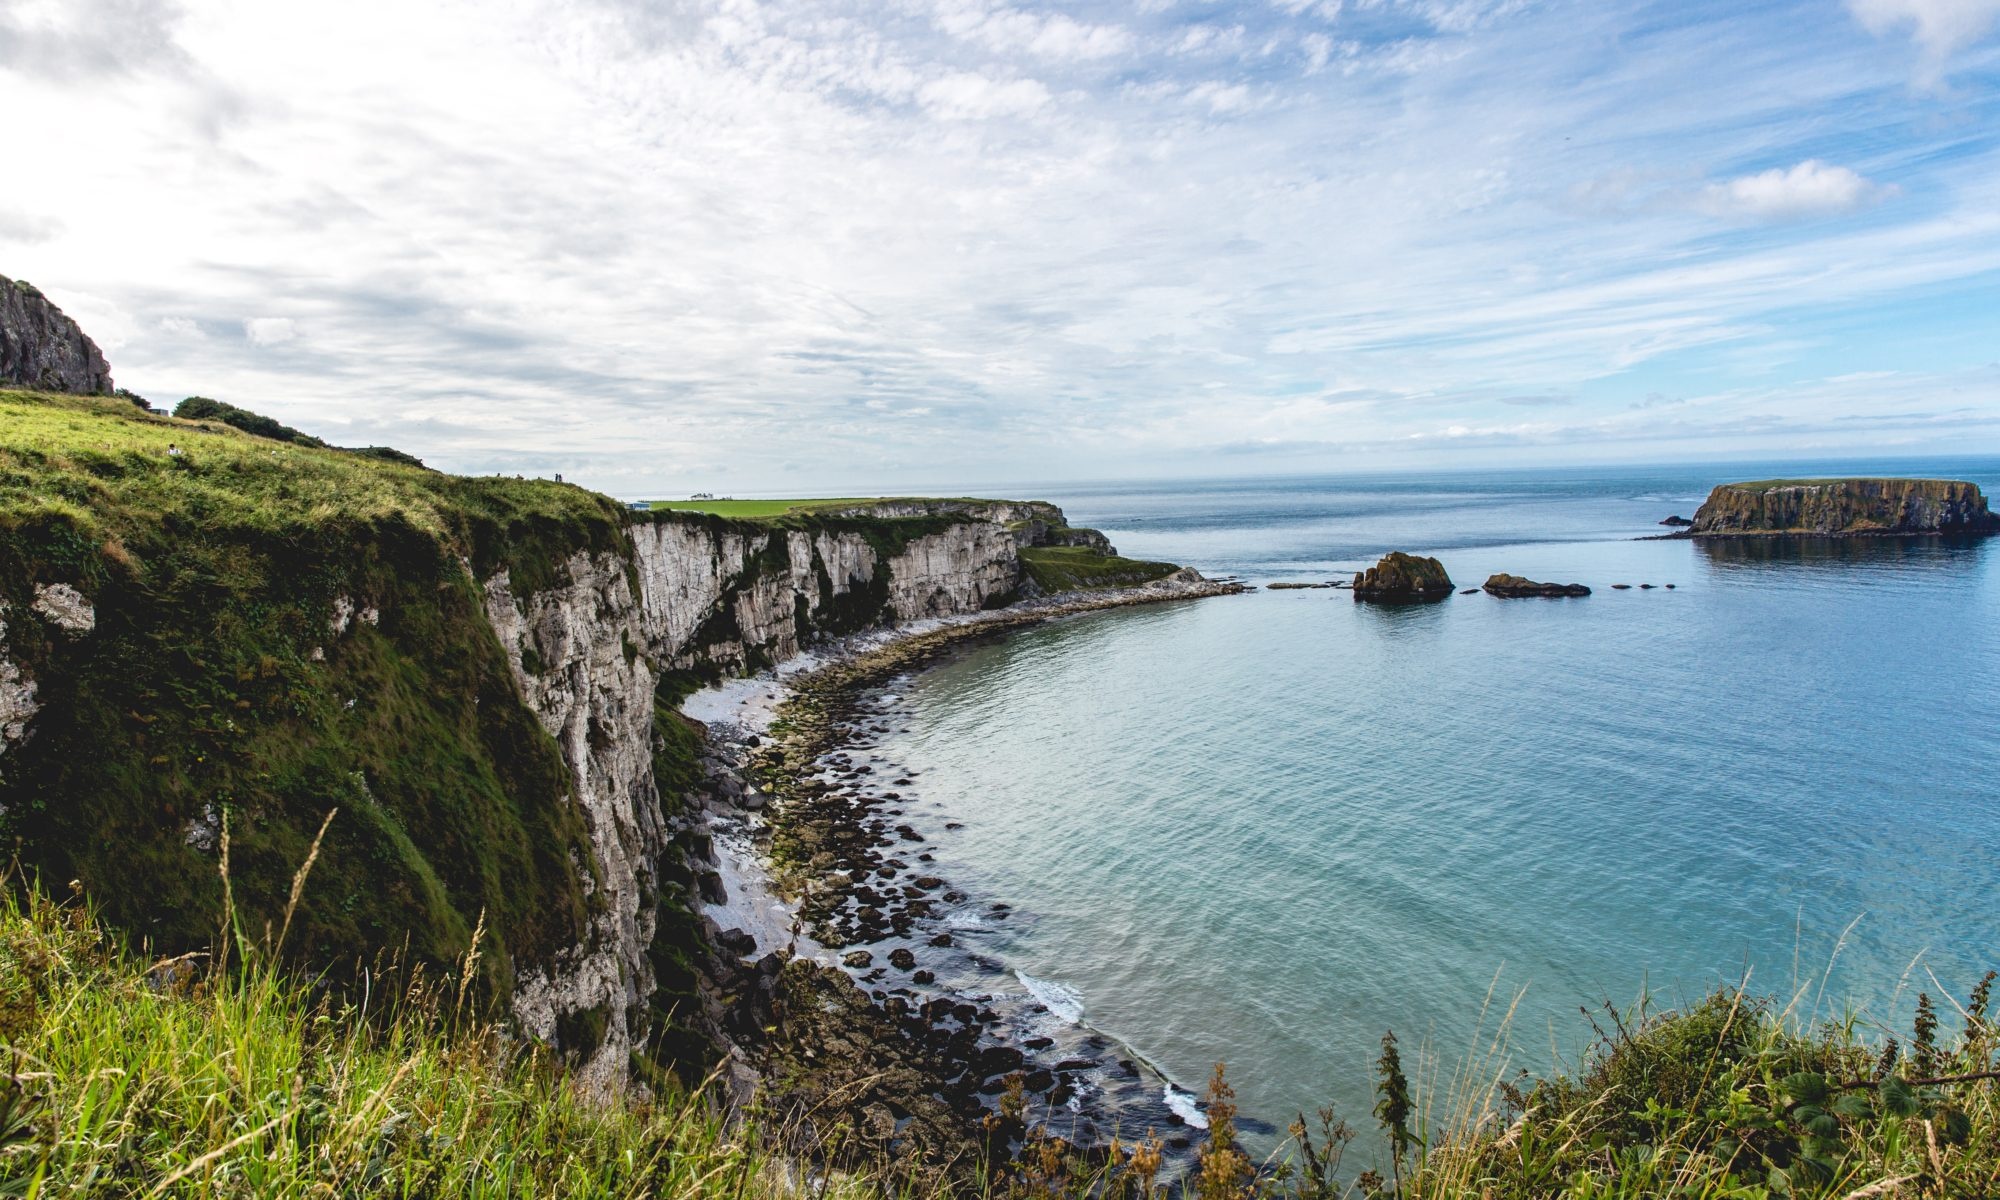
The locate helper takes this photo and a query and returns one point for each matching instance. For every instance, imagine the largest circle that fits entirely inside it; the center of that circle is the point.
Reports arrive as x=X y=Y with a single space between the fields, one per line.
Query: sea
x=1266 y=830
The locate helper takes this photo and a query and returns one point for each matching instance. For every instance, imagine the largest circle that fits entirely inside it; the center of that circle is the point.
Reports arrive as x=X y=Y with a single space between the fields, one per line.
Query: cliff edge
x=1843 y=508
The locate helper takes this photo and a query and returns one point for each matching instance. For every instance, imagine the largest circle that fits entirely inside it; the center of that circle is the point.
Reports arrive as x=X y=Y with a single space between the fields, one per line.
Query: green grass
x=1766 y=485
x=213 y=685
x=1079 y=568
x=193 y=1079
x=762 y=510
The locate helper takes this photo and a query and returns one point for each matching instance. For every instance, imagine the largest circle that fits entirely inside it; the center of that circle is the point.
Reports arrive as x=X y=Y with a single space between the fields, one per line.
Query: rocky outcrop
x=1676 y=521
x=43 y=349
x=1403 y=577
x=1843 y=508
x=1513 y=587
x=17 y=693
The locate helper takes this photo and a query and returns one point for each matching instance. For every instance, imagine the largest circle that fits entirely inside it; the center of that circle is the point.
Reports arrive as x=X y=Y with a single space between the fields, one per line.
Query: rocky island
x=1843 y=508
x=1401 y=578
x=1512 y=587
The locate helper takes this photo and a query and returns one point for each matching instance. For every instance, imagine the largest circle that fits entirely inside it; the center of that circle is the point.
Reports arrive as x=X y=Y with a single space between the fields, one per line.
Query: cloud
x=969 y=96
x=1808 y=189
x=268 y=331
x=1941 y=27
x=662 y=244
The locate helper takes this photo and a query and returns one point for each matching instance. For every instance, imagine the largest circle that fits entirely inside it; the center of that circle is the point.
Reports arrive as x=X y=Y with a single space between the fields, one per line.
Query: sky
x=741 y=246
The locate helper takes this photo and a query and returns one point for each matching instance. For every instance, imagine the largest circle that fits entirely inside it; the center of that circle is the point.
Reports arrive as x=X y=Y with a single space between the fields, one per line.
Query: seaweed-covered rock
x=1511 y=587
x=42 y=348
x=1399 y=577
x=1843 y=508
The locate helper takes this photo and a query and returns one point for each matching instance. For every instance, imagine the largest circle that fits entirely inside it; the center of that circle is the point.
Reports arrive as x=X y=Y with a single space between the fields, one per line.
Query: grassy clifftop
x=283 y=630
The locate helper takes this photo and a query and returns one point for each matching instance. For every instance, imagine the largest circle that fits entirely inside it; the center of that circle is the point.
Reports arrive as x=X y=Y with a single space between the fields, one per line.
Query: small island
x=1842 y=508
x=1400 y=578
x=1514 y=587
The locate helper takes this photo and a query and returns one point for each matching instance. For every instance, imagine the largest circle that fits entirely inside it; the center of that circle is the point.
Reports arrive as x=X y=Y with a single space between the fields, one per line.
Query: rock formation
x=43 y=349
x=1512 y=587
x=1677 y=521
x=1403 y=577
x=1843 y=508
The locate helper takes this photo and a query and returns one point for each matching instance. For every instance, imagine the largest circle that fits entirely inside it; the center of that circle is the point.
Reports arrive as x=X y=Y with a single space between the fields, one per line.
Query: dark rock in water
x=1621 y=587
x=858 y=958
x=1076 y=1064
x=1403 y=577
x=1645 y=587
x=924 y=977
x=1468 y=591
x=1039 y=1043
x=998 y=1060
x=736 y=942
x=942 y=939
x=901 y=958
x=1509 y=587
x=1668 y=586
x=42 y=348
x=710 y=886
x=1039 y=1080
x=1843 y=508
x=1677 y=520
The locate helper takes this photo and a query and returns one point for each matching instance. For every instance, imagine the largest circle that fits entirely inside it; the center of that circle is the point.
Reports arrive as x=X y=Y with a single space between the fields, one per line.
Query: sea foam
x=1059 y=998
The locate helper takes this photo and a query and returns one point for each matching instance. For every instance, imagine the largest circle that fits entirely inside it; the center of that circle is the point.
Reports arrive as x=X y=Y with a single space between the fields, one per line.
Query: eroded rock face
x=1843 y=508
x=1401 y=576
x=42 y=348
x=17 y=694
x=588 y=654
x=1510 y=587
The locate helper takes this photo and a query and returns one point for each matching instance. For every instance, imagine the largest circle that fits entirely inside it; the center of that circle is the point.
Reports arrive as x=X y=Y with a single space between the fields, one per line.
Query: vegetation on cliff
x=283 y=630
x=1082 y=568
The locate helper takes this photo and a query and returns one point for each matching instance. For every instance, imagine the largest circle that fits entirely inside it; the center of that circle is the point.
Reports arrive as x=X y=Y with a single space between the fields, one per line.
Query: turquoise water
x=1264 y=829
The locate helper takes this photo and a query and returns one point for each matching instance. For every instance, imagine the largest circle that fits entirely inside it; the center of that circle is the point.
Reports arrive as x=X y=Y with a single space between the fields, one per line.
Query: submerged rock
x=1509 y=587
x=1403 y=577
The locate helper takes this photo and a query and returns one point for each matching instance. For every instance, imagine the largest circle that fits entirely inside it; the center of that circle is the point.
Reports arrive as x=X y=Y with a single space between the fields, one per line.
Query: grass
x=184 y=1078
x=214 y=685
x=1766 y=485
x=763 y=510
x=1079 y=568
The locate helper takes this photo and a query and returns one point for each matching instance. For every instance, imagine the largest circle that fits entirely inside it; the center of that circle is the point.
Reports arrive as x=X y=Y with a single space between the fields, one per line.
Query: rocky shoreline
x=868 y=1015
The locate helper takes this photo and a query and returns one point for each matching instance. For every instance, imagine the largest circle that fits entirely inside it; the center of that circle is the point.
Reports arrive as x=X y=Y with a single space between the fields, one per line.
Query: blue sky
x=741 y=246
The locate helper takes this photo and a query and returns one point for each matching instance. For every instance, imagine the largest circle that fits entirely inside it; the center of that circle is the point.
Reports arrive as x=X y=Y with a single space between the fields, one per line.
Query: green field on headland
x=757 y=510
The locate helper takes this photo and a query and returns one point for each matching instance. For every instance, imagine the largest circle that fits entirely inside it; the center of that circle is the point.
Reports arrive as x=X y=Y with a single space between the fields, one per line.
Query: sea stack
x=1843 y=508
x=1400 y=578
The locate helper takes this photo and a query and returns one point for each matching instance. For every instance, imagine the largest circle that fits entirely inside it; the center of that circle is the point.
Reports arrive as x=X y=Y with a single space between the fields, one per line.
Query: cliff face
x=709 y=597
x=42 y=348
x=1843 y=508
x=479 y=675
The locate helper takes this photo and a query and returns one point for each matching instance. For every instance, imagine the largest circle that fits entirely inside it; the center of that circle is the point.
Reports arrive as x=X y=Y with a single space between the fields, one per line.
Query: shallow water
x=1265 y=829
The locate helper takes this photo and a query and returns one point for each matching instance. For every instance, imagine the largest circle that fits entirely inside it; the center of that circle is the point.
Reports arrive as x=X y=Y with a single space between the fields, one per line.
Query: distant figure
x=558 y=476
x=173 y=451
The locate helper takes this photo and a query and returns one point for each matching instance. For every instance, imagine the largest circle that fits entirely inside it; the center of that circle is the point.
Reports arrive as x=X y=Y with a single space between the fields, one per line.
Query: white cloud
x=971 y=96
x=1809 y=189
x=270 y=331
x=1941 y=27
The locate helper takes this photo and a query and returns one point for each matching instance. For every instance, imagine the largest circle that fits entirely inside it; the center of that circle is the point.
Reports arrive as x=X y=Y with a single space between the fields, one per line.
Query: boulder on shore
x=1402 y=577
x=1843 y=508
x=1509 y=587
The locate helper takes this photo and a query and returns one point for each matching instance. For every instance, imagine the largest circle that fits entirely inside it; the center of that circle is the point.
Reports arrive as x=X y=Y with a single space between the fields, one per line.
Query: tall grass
x=183 y=1077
